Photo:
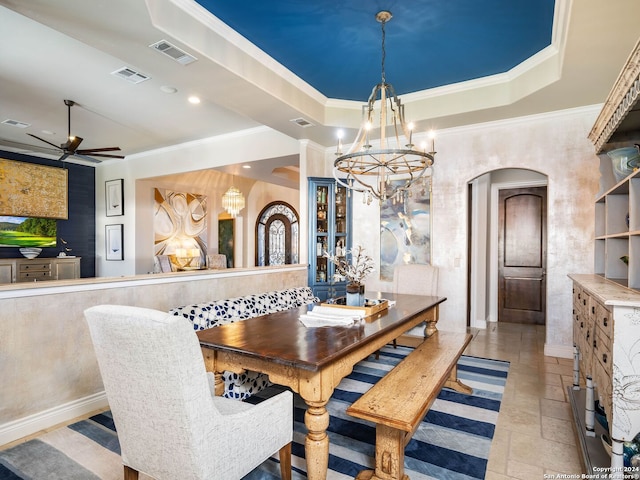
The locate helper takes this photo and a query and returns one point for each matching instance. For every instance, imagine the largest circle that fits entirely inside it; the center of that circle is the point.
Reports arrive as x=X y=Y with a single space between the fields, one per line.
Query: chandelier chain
x=384 y=51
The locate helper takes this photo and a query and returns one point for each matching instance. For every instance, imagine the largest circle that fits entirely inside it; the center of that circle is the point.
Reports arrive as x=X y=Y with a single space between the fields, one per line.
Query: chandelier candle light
x=371 y=170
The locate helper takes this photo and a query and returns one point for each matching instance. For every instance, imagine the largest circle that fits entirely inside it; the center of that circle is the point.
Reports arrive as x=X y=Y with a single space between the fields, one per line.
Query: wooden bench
x=398 y=402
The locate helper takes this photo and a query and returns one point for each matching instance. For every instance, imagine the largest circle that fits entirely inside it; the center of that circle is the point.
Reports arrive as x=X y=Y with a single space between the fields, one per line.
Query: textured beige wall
x=46 y=355
x=554 y=145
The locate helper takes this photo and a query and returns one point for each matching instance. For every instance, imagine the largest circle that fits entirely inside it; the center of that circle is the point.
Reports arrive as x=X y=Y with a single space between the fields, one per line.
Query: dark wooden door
x=522 y=255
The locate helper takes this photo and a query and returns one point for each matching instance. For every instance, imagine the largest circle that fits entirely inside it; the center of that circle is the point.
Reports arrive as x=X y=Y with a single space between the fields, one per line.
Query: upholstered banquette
x=220 y=312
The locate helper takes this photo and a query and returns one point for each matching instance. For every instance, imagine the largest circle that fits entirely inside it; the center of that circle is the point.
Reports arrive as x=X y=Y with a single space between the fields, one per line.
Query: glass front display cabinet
x=329 y=233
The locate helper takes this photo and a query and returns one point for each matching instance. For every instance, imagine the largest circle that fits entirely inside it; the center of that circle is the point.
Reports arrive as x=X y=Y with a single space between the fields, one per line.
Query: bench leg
x=454 y=384
x=389 y=455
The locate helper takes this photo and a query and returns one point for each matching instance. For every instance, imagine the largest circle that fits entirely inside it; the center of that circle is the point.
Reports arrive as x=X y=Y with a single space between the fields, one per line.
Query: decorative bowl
x=30 y=252
x=625 y=161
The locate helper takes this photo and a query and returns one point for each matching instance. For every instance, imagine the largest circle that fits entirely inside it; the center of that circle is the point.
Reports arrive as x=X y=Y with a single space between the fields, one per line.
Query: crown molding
x=621 y=100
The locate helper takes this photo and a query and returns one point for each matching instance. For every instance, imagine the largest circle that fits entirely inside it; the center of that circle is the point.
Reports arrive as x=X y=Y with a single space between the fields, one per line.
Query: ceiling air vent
x=130 y=75
x=15 y=123
x=174 y=52
x=301 y=122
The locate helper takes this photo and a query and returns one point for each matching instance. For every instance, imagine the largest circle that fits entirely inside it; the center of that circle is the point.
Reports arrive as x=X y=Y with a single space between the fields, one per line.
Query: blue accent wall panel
x=79 y=230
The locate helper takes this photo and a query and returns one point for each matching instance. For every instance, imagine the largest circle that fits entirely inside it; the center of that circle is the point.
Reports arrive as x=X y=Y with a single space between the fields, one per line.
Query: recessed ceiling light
x=168 y=89
x=246 y=166
x=193 y=99
x=48 y=132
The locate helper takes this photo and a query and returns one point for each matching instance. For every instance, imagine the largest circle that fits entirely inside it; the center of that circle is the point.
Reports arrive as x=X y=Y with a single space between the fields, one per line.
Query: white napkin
x=338 y=311
x=330 y=316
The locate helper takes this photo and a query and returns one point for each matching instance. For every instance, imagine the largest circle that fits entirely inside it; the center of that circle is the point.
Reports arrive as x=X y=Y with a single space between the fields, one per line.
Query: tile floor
x=535 y=434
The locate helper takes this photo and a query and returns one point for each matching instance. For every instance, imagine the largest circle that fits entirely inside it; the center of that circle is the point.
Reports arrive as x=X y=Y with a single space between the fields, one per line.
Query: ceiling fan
x=70 y=147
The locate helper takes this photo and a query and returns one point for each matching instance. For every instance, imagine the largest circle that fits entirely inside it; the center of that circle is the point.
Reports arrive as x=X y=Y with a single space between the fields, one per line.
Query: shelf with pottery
x=17 y=270
x=617 y=230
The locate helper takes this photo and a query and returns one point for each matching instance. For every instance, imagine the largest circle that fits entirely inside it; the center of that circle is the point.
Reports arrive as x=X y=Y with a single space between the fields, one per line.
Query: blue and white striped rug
x=453 y=441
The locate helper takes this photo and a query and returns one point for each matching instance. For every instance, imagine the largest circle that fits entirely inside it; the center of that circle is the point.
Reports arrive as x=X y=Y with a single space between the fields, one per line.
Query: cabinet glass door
x=329 y=226
x=322 y=232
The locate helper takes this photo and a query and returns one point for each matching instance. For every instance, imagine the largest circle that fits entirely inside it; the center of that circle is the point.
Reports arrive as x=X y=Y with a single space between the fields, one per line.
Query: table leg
x=218 y=384
x=316 y=445
x=430 y=328
x=210 y=365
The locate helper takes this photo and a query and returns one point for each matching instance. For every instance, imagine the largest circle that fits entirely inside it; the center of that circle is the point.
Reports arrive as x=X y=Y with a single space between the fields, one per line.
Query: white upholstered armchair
x=169 y=423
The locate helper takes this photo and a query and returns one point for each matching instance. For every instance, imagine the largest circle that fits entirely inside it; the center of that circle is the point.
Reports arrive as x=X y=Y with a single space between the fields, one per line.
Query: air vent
x=174 y=52
x=130 y=75
x=303 y=123
x=15 y=123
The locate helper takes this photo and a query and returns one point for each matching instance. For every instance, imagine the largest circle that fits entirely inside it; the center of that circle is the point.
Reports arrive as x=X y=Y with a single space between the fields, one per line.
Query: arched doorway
x=484 y=240
x=277 y=235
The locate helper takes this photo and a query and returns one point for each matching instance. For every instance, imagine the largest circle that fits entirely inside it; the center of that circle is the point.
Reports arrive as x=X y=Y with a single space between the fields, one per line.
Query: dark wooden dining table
x=311 y=360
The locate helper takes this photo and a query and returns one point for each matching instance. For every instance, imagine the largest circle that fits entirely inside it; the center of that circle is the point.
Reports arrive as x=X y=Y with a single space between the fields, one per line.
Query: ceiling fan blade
x=105 y=155
x=89 y=159
x=63 y=157
x=29 y=147
x=88 y=151
x=45 y=141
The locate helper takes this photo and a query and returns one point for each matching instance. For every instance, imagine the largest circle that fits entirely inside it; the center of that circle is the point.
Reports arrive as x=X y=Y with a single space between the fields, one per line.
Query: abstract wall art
x=180 y=222
x=405 y=231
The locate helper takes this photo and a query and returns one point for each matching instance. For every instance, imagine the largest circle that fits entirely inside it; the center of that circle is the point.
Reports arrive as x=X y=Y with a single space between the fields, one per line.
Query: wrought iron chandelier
x=233 y=201
x=389 y=171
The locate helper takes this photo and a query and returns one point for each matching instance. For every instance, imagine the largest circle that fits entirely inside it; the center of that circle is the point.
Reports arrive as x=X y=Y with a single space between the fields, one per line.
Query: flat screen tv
x=27 y=232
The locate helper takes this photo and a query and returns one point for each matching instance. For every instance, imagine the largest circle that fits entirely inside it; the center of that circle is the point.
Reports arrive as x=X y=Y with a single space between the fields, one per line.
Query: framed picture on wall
x=113 y=242
x=114 y=197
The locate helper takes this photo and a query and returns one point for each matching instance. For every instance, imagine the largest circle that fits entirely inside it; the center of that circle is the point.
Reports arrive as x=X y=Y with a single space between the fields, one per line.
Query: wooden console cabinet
x=606 y=334
x=14 y=270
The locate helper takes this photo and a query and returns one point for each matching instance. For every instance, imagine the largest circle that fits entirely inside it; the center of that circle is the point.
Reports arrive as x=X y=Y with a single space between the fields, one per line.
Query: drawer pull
x=581 y=324
x=593 y=310
x=595 y=346
x=605 y=321
x=584 y=302
x=604 y=358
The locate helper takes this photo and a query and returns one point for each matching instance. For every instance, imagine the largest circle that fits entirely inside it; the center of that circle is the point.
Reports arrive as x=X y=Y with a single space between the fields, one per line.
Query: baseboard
x=561 y=351
x=479 y=323
x=23 y=427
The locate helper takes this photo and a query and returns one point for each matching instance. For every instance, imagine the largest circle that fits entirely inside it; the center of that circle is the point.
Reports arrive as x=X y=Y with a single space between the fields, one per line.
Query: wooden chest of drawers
x=606 y=333
x=34 y=270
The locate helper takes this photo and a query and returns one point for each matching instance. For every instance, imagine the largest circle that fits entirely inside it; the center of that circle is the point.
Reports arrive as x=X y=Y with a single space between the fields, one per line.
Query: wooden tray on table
x=371 y=305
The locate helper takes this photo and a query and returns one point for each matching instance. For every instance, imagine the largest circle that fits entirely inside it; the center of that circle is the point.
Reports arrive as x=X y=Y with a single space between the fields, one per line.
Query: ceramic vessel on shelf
x=30 y=252
x=625 y=161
